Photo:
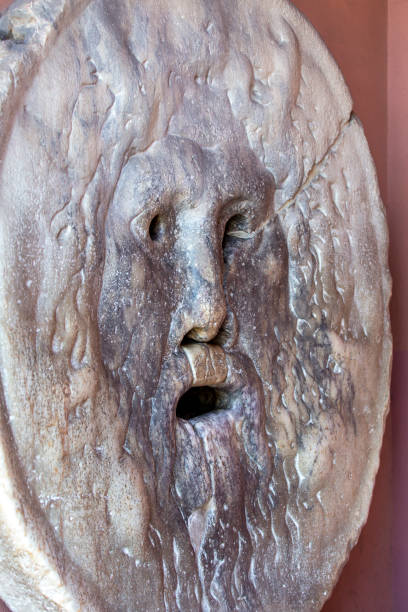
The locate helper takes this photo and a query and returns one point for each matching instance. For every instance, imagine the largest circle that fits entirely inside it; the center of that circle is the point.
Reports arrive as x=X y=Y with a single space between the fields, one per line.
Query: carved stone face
x=195 y=280
x=194 y=335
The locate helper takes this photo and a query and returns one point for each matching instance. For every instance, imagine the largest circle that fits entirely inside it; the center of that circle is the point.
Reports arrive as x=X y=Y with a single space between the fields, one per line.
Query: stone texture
x=195 y=344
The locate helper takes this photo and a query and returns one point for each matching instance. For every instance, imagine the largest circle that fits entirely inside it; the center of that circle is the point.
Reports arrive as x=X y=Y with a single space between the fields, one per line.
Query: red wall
x=356 y=33
x=397 y=205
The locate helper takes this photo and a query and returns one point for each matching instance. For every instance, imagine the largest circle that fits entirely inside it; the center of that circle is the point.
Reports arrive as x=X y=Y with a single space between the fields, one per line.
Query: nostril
x=227 y=333
x=156 y=228
x=199 y=334
x=188 y=340
x=207 y=333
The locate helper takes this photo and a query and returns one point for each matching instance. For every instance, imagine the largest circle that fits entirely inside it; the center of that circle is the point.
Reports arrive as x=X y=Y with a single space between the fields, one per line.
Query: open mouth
x=208 y=392
x=216 y=389
x=217 y=424
x=201 y=401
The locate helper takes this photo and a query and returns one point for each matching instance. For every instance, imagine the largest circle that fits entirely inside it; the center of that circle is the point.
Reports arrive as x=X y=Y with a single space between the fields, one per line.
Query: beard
x=226 y=498
x=209 y=479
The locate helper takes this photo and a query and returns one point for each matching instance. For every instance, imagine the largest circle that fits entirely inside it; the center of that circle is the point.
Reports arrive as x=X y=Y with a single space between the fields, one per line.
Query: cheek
x=257 y=286
x=133 y=312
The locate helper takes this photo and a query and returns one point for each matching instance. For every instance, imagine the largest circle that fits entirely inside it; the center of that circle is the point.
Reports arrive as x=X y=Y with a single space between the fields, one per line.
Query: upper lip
x=208 y=363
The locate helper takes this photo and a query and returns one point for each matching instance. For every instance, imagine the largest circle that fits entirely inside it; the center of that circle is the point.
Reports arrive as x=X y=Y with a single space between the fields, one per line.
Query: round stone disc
x=195 y=343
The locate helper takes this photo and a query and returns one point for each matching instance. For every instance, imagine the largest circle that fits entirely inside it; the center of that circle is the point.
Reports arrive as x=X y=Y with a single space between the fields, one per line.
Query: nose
x=204 y=314
x=202 y=307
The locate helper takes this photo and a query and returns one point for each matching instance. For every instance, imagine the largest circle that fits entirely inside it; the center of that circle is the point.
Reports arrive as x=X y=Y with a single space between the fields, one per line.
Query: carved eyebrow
x=249 y=190
x=242 y=203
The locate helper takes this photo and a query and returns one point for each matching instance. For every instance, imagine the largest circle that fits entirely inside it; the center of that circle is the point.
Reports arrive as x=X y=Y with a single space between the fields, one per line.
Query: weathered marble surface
x=187 y=202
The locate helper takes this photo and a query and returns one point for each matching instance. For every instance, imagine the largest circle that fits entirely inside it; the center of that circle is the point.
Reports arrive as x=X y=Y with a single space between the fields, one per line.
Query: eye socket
x=236 y=229
x=156 y=228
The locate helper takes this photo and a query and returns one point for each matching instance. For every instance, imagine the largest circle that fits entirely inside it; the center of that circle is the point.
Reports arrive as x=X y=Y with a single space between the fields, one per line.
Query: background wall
x=369 y=40
x=397 y=208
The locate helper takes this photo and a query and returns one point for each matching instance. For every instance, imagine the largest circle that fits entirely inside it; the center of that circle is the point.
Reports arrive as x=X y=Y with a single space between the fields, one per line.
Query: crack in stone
x=315 y=170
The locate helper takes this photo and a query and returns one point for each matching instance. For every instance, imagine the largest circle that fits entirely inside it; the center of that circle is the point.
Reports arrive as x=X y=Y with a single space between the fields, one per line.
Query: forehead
x=178 y=166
